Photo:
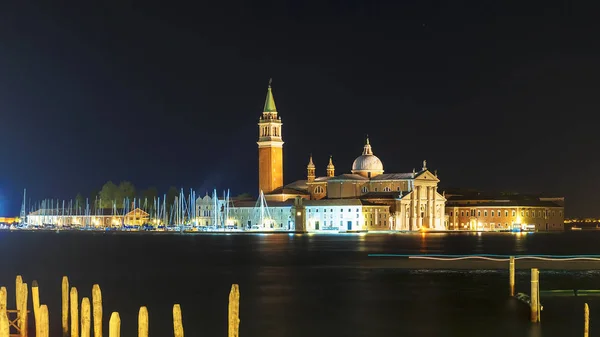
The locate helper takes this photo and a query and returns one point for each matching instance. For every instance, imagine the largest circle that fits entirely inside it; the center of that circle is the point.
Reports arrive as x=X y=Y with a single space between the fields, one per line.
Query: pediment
x=426 y=176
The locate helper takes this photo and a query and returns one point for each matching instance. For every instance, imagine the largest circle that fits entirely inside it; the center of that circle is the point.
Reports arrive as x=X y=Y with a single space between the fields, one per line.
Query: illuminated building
x=8 y=220
x=99 y=218
x=377 y=200
x=472 y=211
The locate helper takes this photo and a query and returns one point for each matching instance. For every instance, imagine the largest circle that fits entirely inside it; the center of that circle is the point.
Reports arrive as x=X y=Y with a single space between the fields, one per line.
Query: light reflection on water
x=299 y=285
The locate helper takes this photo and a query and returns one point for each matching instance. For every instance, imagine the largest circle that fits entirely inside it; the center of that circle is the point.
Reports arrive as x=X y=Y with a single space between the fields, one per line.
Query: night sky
x=494 y=95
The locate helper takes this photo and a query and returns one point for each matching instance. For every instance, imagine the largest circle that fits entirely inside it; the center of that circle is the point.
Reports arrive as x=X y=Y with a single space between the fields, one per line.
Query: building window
x=319 y=190
x=492 y=213
x=365 y=189
x=506 y=213
x=462 y=213
x=559 y=213
x=387 y=189
x=375 y=189
x=522 y=213
x=513 y=213
x=478 y=213
x=450 y=213
x=398 y=189
x=357 y=209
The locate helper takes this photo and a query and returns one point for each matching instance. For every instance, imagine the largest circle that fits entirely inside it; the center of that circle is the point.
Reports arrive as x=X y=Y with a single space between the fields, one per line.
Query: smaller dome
x=367 y=164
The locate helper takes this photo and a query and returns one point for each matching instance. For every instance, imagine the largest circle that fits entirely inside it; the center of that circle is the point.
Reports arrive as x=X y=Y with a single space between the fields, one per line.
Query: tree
x=149 y=194
x=79 y=203
x=109 y=194
x=126 y=190
x=93 y=195
x=171 y=194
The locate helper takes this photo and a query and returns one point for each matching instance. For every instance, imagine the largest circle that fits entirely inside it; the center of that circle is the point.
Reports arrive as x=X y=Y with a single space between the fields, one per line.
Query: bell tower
x=270 y=147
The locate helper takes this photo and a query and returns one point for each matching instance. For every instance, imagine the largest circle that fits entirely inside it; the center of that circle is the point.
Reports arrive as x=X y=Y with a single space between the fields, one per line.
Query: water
x=303 y=285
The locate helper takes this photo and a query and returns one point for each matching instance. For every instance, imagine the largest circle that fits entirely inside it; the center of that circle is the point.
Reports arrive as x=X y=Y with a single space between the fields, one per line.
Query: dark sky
x=496 y=95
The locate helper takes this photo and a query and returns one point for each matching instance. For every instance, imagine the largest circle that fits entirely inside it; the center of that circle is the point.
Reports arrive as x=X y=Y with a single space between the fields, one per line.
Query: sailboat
x=265 y=221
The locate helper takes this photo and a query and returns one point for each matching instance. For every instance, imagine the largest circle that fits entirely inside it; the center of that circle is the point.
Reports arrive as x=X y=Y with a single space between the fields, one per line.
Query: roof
x=340 y=202
x=383 y=176
x=393 y=176
x=298 y=185
x=288 y=190
x=332 y=202
x=497 y=197
x=504 y=203
x=383 y=195
x=252 y=204
x=348 y=176
x=270 y=101
x=59 y=212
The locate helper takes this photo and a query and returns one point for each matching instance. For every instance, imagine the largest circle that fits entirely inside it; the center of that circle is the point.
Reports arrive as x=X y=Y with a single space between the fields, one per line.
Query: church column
x=413 y=219
x=430 y=209
x=419 y=196
x=436 y=216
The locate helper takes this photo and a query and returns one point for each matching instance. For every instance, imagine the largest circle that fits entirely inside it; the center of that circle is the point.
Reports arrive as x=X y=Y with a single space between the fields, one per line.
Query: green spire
x=270 y=101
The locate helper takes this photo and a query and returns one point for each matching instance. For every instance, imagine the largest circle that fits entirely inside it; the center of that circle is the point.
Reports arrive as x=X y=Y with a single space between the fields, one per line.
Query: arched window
x=364 y=189
x=387 y=189
x=319 y=190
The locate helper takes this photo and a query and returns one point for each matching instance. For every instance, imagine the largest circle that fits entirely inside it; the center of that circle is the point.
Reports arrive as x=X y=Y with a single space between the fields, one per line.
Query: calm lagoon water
x=303 y=285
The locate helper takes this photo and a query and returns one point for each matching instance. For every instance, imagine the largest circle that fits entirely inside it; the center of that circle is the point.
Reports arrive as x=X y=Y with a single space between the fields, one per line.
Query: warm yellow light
x=298 y=213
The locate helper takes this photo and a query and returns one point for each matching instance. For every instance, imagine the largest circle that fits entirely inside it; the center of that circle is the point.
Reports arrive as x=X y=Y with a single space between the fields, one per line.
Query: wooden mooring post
x=78 y=322
x=511 y=276
x=535 y=295
x=114 y=325
x=586 y=320
x=65 y=306
x=97 y=310
x=234 y=311
x=177 y=321
x=143 y=322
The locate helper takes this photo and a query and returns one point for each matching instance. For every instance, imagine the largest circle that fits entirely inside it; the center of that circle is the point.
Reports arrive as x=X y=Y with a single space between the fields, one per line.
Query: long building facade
x=474 y=211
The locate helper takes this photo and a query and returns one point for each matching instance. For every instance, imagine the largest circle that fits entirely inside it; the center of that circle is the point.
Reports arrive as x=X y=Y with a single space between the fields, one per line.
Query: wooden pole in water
x=35 y=298
x=3 y=299
x=23 y=316
x=234 y=311
x=97 y=303
x=114 y=325
x=74 y=313
x=85 y=317
x=65 y=306
x=512 y=276
x=535 y=314
x=18 y=284
x=4 y=325
x=44 y=329
x=177 y=321
x=586 y=326
x=143 y=322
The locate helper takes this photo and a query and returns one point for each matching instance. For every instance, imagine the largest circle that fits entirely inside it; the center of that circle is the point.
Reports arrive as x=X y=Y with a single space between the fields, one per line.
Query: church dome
x=367 y=164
